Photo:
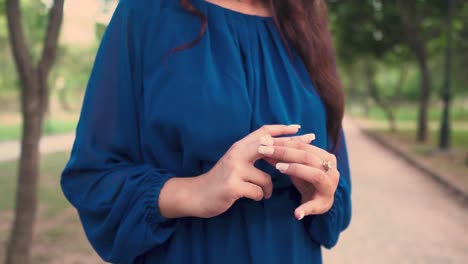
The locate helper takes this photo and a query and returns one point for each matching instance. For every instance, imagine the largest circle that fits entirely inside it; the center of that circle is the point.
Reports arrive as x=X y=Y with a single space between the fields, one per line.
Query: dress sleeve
x=325 y=229
x=114 y=191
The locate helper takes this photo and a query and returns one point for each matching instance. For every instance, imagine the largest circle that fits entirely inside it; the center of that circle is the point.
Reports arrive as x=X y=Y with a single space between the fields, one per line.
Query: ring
x=327 y=165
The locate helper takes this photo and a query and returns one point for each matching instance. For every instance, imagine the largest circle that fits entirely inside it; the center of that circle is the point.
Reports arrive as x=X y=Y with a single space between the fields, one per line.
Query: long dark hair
x=304 y=23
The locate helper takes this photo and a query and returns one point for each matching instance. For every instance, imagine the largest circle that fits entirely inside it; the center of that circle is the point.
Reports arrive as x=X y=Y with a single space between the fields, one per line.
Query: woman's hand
x=305 y=164
x=233 y=177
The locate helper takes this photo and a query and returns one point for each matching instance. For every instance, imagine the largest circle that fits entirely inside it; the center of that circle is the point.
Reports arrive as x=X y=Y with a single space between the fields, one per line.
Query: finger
x=261 y=179
x=319 y=152
x=291 y=155
x=250 y=191
x=292 y=143
x=312 y=207
x=268 y=141
x=315 y=176
x=247 y=147
x=273 y=130
x=307 y=138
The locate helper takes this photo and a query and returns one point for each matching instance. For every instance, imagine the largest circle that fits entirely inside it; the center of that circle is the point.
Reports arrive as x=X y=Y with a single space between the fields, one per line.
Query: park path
x=399 y=214
x=10 y=150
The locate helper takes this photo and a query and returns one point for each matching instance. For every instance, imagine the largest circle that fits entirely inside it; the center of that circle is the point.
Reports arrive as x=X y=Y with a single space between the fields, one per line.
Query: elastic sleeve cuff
x=159 y=224
x=325 y=229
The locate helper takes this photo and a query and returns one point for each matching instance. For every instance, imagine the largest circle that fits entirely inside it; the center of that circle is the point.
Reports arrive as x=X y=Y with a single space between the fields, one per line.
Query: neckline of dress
x=235 y=12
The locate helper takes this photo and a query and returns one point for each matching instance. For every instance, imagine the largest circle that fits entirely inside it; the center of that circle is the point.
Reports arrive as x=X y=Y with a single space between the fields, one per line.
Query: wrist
x=178 y=197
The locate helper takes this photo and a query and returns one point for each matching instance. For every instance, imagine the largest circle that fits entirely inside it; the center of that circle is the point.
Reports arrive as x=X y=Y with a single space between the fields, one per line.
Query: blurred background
x=404 y=66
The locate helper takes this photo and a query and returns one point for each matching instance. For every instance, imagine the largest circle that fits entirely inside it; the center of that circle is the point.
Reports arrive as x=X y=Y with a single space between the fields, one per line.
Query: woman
x=185 y=152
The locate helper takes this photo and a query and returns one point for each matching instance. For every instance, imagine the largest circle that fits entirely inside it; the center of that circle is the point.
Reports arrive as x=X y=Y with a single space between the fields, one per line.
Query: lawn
x=50 y=127
x=410 y=113
x=59 y=237
x=459 y=138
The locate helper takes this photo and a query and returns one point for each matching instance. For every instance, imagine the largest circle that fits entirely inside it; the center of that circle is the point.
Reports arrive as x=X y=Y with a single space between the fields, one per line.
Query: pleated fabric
x=149 y=115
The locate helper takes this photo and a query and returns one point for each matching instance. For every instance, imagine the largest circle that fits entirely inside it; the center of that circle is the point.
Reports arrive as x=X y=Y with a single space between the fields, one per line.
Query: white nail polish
x=301 y=216
x=282 y=167
x=266 y=150
x=311 y=137
x=296 y=126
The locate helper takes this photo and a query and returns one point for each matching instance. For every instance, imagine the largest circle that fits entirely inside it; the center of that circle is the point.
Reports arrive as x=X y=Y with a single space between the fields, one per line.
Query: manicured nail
x=266 y=141
x=301 y=215
x=282 y=167
x=266 y=150
x=309 y=137
x=295 y=126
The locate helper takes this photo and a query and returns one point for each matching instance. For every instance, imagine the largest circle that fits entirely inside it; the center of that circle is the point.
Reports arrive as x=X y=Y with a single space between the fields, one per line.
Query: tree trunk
x=369 y=71
x=411 y=24
x=28 y=174
x=34 y=100
x=424 y=100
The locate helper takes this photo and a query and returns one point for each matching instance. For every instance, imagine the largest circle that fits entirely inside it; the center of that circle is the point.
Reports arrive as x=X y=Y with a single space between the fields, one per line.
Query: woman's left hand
x=305 y=164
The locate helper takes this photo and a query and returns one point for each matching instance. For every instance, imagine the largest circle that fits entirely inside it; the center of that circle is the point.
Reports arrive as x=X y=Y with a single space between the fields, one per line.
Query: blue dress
x=147 y=117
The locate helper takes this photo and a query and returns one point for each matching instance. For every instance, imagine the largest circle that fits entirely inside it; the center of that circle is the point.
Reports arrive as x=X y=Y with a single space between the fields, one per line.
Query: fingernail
x=295 y=126
x=301 y=215
x=311 y=137
x=266 y=150
x=282 y=167
x=266 y=141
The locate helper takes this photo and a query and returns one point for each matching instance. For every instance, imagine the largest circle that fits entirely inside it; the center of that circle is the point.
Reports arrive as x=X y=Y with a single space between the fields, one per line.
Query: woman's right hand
x=233 y=177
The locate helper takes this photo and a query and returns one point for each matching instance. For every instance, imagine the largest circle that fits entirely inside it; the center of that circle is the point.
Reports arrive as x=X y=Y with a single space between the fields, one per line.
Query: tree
x=366 y=35
x=34 y=99
x=444 y=139
x=412 y=26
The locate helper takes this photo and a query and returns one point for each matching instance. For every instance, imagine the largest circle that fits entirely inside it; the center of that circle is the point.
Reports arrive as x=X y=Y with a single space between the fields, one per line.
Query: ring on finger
x=327 y=165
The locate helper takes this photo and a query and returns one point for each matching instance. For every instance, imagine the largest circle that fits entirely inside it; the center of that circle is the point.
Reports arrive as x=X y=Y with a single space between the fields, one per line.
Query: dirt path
x=10 y=150
x=399 y=214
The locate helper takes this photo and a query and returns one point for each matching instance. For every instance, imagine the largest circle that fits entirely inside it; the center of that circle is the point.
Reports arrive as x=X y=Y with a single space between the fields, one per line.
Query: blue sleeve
x=106 y=179
x=325 y=229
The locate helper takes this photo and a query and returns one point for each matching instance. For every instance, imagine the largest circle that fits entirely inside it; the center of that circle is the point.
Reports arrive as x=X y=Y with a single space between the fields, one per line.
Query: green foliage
x=372 y=30
x=71 y=73
x=13 y=132
x=34 y=18
x=100 y=29
x=71 y=70
x=365 y=28
x=408 y=112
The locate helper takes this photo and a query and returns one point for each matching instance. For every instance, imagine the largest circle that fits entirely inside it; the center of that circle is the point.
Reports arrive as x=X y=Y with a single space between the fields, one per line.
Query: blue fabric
x=147 y=117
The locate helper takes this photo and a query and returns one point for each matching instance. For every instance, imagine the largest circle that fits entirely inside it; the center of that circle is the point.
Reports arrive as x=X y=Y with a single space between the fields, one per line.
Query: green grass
x=57 y=228
x=50 y=127
x=410 y=113
x=459 y=138
x=50 y=193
